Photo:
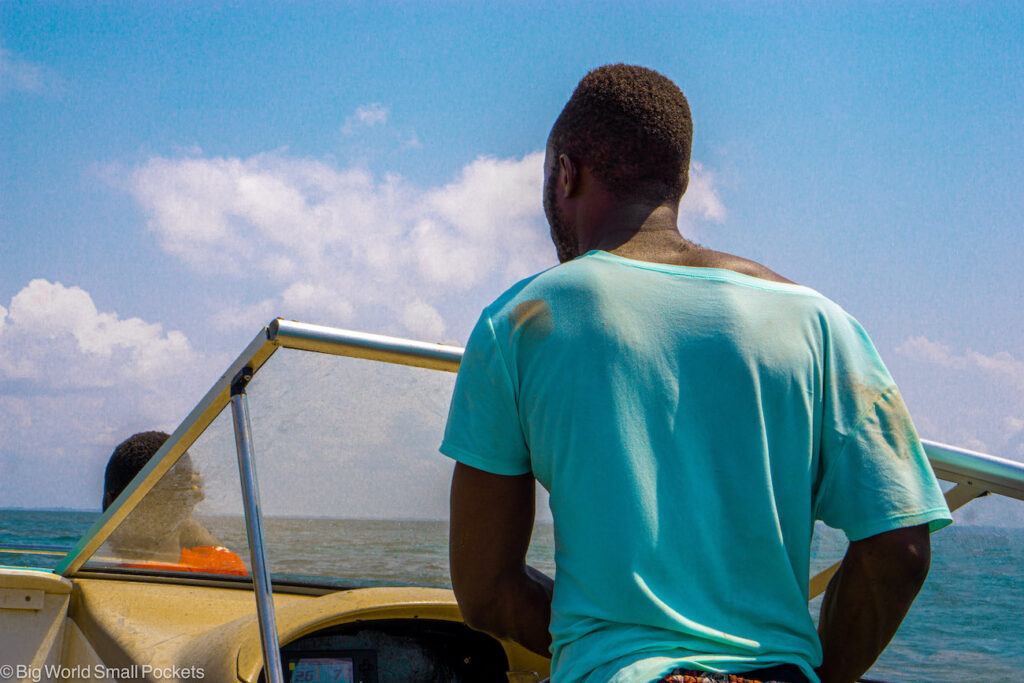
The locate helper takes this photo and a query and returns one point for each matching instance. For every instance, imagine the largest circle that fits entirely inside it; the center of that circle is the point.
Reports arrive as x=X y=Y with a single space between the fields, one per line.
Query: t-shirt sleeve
x=874 y=474
x=483 y=429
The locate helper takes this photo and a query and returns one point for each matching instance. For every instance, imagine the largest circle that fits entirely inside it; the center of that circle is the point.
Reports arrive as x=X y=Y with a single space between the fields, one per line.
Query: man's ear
x=568 y=176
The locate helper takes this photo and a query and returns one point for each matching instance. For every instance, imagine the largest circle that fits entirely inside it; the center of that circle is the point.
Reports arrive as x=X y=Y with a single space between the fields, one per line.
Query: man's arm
x=491 y=524
x=867 y=599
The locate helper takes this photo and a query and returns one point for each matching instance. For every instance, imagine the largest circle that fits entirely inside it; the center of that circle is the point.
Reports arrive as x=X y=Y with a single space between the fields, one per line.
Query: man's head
x=131 y=456
x=631 y=127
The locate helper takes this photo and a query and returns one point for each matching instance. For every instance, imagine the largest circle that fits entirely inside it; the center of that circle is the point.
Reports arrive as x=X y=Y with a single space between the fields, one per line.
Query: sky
x=173 y=176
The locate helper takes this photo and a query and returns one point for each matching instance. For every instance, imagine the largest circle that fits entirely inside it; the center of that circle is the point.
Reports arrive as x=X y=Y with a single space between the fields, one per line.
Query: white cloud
x=369 y=127
x=488 y=221
x=420 y=317
x=1001 y=366
x=366 y=116
x=1013 y=424
x=341 y=247
x=246 y=316
x=99 y=349
x=19 y=75
x=970 y=399
x=701 y=201
x=74 y=381
x=309 y=298
x=925 y=350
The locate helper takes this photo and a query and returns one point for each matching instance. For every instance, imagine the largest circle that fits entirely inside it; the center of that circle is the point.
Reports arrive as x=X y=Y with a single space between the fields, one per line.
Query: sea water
x=964 y=626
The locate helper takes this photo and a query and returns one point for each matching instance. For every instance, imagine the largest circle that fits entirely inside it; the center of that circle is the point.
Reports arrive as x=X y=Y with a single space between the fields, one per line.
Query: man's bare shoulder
x=709 y=258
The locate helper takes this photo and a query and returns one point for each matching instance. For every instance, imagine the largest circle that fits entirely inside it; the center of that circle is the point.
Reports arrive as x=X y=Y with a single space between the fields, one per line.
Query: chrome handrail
x=305 y=337
x=996 y=475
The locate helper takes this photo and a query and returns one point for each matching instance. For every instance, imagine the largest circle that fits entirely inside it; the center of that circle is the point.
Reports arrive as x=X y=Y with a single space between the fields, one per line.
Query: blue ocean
x=964 y=626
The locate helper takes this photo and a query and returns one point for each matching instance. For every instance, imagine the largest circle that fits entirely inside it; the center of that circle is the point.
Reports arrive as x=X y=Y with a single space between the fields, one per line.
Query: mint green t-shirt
x=690 y=424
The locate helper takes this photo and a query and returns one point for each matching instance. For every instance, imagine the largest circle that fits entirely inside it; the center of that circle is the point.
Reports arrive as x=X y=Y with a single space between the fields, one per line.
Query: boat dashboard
x=372 y=635
x=382 y=651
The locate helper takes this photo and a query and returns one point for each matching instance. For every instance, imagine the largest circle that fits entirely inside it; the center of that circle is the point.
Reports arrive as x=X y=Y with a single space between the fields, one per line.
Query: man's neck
x=641 y=232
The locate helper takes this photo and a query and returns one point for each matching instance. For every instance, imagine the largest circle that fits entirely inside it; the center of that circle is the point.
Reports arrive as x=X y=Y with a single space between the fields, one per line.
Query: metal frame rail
x=975 y=474
x=254 y=527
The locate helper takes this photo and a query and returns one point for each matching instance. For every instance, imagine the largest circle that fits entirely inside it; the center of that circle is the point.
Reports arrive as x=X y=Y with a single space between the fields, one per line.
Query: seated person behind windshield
x=161 y=532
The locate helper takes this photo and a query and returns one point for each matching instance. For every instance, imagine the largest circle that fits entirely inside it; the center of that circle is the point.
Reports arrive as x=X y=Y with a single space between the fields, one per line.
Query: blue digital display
x=323 y=670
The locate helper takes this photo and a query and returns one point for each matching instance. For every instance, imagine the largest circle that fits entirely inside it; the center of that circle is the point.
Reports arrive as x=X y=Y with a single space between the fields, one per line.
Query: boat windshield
x=353 y=490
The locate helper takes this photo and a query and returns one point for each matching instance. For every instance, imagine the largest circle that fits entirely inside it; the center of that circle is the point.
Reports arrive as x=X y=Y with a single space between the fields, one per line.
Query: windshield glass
x=353 y=489
x=191 y=520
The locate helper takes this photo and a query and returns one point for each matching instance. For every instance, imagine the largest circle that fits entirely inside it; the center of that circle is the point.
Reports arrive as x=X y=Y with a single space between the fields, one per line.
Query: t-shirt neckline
x=703 y=272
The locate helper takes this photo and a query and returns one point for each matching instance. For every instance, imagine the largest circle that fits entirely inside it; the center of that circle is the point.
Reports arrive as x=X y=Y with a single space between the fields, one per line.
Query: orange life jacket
x=205 y=559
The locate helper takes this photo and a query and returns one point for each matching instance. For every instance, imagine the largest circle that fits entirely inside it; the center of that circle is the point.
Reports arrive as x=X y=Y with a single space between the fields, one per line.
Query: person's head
x=631 y=127
x=131 y=456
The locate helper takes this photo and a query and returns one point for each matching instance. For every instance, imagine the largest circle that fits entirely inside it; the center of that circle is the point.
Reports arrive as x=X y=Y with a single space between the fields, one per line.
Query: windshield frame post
x=254 y=527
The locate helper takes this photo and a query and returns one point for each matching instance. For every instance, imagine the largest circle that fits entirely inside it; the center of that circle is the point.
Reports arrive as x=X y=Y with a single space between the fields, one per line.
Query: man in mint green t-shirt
x=691 y=413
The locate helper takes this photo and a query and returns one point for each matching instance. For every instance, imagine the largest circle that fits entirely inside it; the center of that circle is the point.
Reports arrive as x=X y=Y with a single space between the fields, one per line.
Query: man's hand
x=491 y=524
x=867 y=599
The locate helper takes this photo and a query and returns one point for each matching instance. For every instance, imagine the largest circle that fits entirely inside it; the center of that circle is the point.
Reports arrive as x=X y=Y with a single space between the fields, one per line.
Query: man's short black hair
x=631 y=126
x=127 y=460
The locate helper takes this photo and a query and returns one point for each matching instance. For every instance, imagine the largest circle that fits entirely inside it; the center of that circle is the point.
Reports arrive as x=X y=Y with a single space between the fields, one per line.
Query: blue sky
x=173 y=176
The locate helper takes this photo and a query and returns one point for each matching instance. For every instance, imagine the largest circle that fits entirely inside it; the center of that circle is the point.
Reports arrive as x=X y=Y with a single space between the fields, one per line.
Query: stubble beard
x=564 y=239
